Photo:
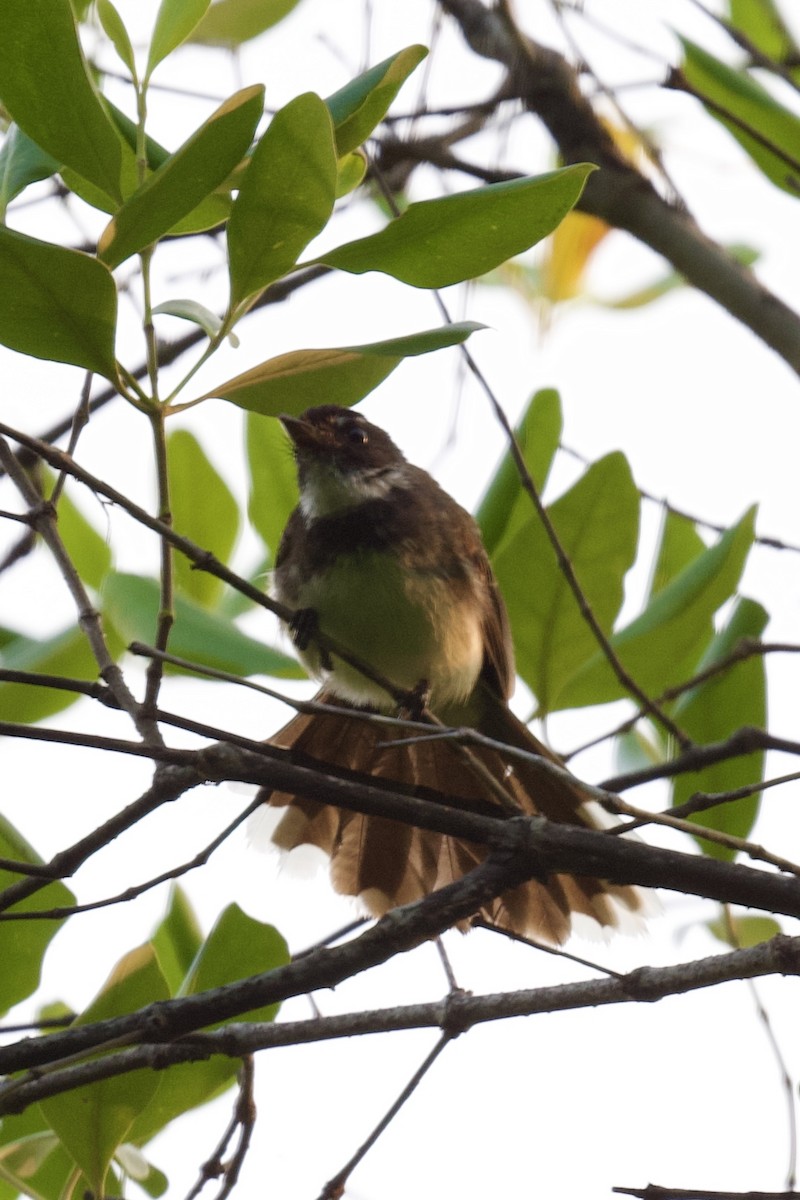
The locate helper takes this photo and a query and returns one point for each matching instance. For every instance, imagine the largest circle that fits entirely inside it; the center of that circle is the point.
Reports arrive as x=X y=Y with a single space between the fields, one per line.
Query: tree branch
x=618 y=194
x=456 y=1014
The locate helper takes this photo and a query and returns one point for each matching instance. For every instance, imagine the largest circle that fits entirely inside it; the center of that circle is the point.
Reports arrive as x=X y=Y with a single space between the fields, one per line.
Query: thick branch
x=456 y=1014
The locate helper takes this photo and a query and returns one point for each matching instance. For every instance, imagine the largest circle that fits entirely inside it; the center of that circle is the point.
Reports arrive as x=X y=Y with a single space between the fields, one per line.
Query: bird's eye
x=357 y=436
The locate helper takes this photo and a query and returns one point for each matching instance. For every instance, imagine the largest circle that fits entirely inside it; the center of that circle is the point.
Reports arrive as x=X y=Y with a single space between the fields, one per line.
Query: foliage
x=270 y=193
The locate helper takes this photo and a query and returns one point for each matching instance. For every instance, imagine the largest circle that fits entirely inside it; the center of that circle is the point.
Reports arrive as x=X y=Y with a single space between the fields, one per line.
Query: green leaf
x=237 y=947
x=679 y=545
x=752 y=108
x=713 y=711
x=358 y=107
x=537 y=434
x=22 y=162
x=204 y=510
x=115 y=31
x=746 y=931
x=343 y=375
x=286 y=196
x=273 y=479
x=65 y=654
x=57 y=304
x=48 y=90
x=133 y=603
x=350 y=171
x=436 y=243
x=187 y=177
x=662 y=645
x=232 y=22
x=23 y=943
x=93 y=1121
x=762 y=24
x=175 y=22
x=597 y=521
x=177 y=939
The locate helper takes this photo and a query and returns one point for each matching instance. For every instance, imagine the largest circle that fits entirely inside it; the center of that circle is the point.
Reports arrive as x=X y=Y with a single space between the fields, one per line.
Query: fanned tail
x=387 y=863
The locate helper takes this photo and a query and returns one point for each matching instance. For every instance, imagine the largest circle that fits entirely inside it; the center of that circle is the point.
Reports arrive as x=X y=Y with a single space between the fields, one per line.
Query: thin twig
x=334 y=1187
x=88 y=616
x=59 y=914
x=243 y=1119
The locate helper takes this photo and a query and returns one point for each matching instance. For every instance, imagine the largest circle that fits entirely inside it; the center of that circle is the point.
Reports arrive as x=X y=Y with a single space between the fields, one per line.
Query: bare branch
x=457 y=1013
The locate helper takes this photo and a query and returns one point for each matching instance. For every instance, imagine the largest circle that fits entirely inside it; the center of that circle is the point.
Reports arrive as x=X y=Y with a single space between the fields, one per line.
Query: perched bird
x=378 y=557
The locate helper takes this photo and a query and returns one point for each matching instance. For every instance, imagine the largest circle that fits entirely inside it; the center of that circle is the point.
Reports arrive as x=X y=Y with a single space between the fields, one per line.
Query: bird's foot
x=417 y=701
x=304 y=627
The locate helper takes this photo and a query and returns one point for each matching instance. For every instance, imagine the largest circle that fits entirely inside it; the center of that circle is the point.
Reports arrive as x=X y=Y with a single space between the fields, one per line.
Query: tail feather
x=387 y=863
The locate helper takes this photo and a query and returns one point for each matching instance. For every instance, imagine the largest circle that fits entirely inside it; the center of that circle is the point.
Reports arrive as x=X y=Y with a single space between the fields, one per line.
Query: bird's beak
x=304 y=435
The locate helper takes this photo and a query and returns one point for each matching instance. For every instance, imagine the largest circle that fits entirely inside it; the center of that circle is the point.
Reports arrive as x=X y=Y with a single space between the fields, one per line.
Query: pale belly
x=409 y=629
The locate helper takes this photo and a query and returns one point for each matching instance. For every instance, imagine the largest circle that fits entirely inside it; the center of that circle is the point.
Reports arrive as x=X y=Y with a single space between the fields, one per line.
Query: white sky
x=683 y=1093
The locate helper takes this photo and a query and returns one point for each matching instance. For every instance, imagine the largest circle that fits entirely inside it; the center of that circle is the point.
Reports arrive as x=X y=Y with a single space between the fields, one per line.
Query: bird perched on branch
x=379 y=558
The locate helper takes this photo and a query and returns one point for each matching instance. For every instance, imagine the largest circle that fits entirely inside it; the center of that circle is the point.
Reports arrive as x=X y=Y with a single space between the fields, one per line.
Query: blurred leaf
x=762 y=24
x=237 y=947
x=751 y=107
x=662 y=645
x=634 y=750
x=679 y=545
x=65 y=654
x=537 y=434
x=175 y=22
x=90 y=553
x=436 y=243
x=597 y=522
x=350 y=171
x=22 y=162
x=57 y=304
x=285 y=198
x=149 y=1178
x=23 y=943
x=343 y=375
x=234 y=603
x=746 y=931
x=21 y=1160
x=48 y=90
x=133 y=604
x=187 y=177
x=231 y=22
x=191 y=310
x=361 y=104
x=569 y=250
x=204 y=510
x=713 y=711
x=670 y=281
x=177 y=939
x=273 y=479
x=117 y=34
x=92 y=1121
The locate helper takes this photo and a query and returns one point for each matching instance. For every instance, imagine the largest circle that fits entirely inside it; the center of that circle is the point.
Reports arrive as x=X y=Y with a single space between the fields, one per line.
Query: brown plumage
x=391 y=565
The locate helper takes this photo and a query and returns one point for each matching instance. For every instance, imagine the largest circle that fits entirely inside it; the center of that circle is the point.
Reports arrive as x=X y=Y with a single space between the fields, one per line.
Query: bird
x=378 y=557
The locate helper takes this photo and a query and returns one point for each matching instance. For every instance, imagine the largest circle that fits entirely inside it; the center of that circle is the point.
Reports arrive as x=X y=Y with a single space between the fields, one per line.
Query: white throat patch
x=327 y=490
